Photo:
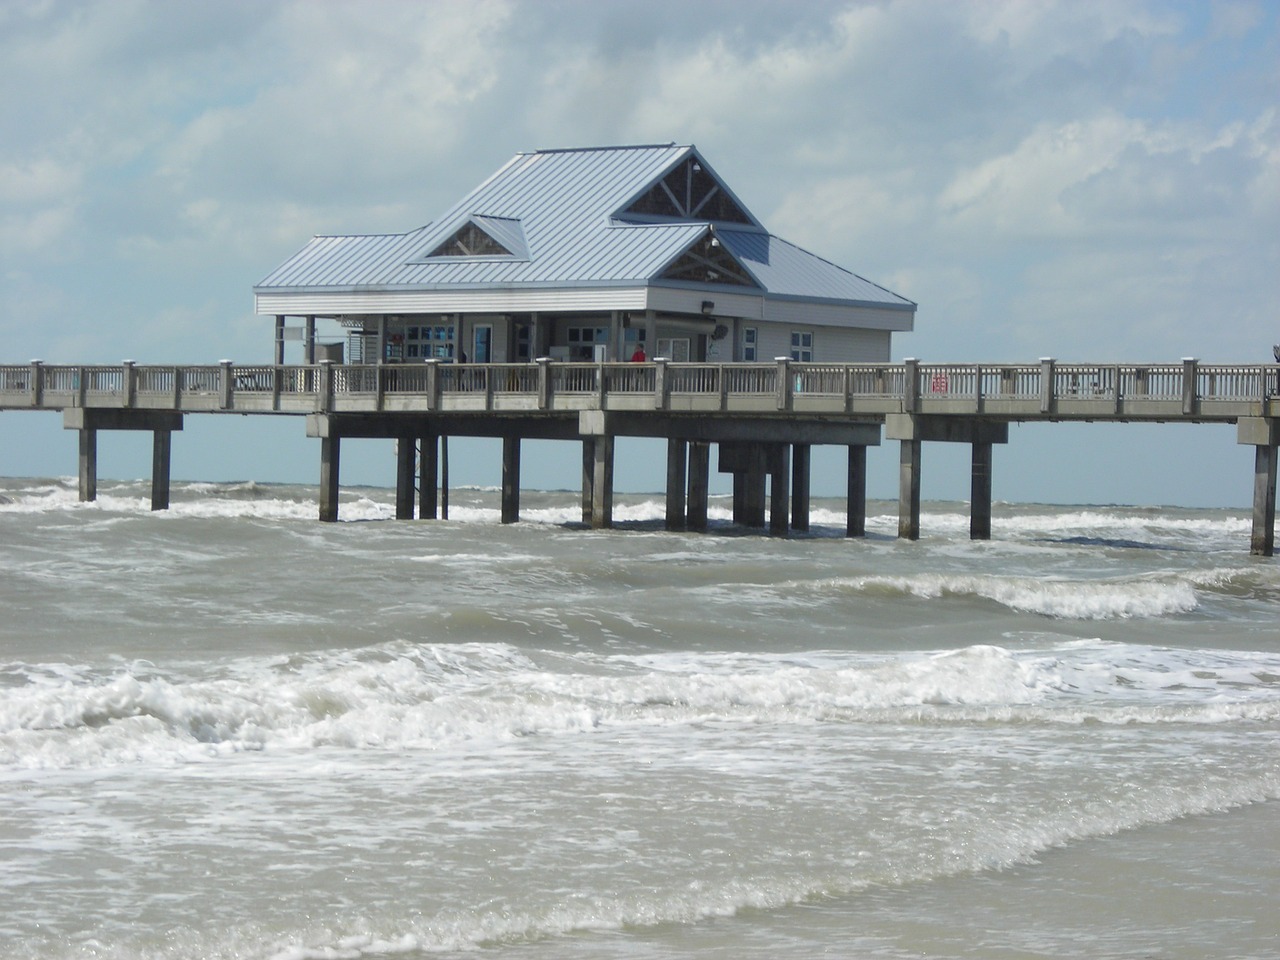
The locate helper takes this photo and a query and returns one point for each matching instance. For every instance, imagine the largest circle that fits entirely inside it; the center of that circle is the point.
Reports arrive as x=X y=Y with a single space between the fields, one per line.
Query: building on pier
x=584 y=254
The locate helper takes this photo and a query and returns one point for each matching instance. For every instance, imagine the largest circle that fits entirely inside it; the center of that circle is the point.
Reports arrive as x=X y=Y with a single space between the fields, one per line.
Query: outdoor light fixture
x=707 y=307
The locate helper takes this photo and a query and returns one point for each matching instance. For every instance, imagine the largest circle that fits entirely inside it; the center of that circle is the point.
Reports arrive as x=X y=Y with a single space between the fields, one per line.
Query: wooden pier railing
x=1045 y=390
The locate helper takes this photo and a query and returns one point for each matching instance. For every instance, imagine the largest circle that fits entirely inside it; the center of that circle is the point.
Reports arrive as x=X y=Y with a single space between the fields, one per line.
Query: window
x=802 y=345
x=582 y=341
x=750 y=339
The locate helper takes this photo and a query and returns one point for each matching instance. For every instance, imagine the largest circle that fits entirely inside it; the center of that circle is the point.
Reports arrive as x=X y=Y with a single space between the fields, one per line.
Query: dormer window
x=470 y=241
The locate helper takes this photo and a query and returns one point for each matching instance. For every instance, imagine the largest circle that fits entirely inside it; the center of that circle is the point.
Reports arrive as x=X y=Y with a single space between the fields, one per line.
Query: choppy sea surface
x=231 y=731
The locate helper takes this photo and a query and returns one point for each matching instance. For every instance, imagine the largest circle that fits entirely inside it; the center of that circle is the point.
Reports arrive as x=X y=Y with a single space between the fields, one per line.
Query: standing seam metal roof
x=558 y=212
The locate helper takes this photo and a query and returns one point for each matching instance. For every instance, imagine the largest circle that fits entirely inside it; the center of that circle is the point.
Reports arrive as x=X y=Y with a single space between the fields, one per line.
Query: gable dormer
x=707 y=261
x=688 y=191
x=482 y=237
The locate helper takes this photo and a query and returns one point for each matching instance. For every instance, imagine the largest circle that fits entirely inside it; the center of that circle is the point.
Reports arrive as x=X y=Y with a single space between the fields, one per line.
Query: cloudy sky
x=1089 y=181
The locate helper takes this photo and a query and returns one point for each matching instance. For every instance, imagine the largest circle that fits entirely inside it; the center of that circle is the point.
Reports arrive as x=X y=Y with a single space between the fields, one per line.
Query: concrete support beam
x=510 y=479
x=602 y=483
x=588 y=477
x=800 y=460
x=161 y=456
x=330 y=461
x=699 y=482
x=909 y=490
x=428 y=472
x=755 y=491
x=935 y=427
x=677 y=465
x=779 y=462
x=404 y=478
x=980 y=493
x=1263 y=433
x=88 y=466
x=856 y=524
x=444 y=476
x=1262 y=539
x=739 y=497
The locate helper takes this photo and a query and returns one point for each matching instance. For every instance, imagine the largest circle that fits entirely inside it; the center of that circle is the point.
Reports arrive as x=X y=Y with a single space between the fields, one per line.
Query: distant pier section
x=762 y=417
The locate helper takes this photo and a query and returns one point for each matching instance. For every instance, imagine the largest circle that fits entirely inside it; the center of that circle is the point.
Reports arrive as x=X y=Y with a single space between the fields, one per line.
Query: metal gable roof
x=786 y=270
x=558 y=212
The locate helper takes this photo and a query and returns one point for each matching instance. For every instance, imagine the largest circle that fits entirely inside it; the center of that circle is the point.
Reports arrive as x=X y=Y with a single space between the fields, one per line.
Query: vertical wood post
x=856 y=504
x=510 y=479
x=428 y=470
x=980 y=493
x=909 y=490
x=310 y=335
x=36 y=385
x=602 y=483
x=677 y=458
x=161 y=449
x=404 y=477
x=279 y=340
x=1047 y=376
x=800 y=486
x=88 y=465
x=699 y=482
x=1190 y=374
x=330 y=461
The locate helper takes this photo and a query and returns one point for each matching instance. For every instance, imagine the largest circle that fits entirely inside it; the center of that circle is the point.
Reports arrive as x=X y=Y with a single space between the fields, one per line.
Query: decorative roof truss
x=707 y=261
x=471 y=241
x=689 y=192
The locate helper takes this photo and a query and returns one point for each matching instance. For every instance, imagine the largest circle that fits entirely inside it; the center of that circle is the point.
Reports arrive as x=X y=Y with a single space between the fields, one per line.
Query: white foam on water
x=431 y=697
x=1158 y=595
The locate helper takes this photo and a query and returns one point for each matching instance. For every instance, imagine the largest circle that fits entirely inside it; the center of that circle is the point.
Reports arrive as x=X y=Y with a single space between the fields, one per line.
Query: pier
x=763 y=418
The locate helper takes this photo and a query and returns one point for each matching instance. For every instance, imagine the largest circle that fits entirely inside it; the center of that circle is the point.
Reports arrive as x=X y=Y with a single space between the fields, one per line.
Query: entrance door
x=482 y=341
x=674 y=348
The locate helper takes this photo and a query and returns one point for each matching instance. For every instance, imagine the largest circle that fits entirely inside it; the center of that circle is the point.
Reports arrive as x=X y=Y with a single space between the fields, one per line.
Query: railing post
x=544 y=383
x=600 y=386
x=1190 y=375
x=977 y=388
x=1047 y=385
x=433 y=384
x=661 y=386
x=910 y=385
x=82 y=386
x=277 y=386
x=228 y=385
x=324 y=401
x=36 y=386
x=129 y=384
x=784 y=382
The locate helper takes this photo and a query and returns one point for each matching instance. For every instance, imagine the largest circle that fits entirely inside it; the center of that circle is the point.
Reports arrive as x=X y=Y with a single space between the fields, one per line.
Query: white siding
x=830 y=344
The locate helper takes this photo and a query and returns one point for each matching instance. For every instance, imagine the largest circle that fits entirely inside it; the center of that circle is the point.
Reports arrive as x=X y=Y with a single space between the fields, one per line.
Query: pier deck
x=764 y=416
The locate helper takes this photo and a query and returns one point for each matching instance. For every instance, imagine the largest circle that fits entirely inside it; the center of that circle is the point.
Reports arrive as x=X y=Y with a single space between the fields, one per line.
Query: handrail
x=1013 y=391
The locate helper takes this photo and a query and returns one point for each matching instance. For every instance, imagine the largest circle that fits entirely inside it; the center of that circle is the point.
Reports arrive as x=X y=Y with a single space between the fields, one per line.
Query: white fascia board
x=530 y=300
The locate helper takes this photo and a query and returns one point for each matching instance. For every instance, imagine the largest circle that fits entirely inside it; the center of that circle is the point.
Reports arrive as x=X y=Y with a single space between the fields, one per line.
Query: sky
x=1090 y=181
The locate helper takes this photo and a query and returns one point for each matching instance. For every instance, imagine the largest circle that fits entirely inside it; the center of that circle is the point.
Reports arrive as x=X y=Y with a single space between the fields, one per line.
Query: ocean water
x=230 y=731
